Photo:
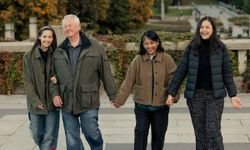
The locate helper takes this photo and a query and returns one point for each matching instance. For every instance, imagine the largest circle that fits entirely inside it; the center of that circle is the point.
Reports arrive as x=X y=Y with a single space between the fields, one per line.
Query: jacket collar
x=214 y=50
x=85 y=42
x=37 y=52
x=158 y=57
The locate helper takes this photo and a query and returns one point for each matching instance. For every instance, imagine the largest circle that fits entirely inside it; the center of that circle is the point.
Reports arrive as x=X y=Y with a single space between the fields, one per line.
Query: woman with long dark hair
x=44 y=117
x=208 y=68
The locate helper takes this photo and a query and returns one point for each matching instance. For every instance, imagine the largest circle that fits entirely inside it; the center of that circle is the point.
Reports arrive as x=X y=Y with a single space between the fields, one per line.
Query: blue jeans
x=29 y=120
x=45 y=128
x=88 y=121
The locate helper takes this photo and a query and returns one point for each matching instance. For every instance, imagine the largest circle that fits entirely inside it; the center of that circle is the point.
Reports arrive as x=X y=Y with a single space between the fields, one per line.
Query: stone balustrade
x=240 y=45
x=9 y=31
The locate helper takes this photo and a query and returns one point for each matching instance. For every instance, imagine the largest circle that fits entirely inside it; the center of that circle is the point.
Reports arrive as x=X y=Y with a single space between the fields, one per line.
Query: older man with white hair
x=80 y=63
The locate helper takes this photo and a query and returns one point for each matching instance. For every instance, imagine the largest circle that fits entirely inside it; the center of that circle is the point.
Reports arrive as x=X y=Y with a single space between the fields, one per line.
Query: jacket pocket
x=140 y=93
x=88 y=95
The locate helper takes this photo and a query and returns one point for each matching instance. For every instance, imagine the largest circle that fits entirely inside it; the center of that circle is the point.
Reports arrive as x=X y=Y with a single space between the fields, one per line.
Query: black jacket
x=221 y=72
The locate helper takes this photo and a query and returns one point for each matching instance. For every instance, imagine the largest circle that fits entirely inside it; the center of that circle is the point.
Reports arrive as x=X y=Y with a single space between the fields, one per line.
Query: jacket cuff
x=54 y=93
x=38 y=102
x=172 y=93
x=112 y=96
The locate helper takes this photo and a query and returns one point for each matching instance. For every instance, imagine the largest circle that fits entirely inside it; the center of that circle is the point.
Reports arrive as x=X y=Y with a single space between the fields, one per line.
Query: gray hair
x=74 y=17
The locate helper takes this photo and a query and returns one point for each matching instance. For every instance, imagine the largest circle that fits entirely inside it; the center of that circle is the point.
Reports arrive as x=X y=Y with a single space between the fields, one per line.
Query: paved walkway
x=117 y=126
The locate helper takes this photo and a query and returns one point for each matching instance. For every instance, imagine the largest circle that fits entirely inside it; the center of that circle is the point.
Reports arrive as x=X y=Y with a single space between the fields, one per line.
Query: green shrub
x=11 y=63
x=240 y=21
x=11 y=71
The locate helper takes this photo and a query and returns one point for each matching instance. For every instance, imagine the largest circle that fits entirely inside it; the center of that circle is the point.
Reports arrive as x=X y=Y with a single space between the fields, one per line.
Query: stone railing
x=240 y=45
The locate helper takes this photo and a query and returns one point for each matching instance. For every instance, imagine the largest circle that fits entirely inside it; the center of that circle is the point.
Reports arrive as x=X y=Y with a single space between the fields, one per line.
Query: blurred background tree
x=112 y=16
x=141 y=11
x=86 y=10
x=102 y=16
x=237 y=3
x=117 y=19
x=246 y=6
x=243 y=5
x=19 y=11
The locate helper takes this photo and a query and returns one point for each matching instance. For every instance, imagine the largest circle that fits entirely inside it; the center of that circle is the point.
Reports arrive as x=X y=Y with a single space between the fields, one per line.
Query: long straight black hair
x=197 y=40
x=152 y=35
x=52 y=47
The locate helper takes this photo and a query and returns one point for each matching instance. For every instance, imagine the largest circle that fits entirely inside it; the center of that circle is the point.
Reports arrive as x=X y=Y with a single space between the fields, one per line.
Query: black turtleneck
x=44 y=54
x=204 y=80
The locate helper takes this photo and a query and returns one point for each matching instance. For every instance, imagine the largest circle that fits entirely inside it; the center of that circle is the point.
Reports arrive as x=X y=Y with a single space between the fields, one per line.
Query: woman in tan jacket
x=148 y=75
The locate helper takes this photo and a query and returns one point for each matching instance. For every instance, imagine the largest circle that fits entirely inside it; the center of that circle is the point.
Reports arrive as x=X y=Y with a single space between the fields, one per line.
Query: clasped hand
x=115 y=104
x=170 y=100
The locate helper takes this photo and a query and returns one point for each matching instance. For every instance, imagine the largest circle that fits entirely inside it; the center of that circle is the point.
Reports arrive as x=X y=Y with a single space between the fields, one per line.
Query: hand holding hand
x=57 y=101
x=170 y=100
x=236 y=103
x=115 y=104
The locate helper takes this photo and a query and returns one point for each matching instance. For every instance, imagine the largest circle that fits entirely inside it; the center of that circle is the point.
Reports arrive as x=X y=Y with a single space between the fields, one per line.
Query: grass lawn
x=177 y=12
x=202 y=2
x=170 y=26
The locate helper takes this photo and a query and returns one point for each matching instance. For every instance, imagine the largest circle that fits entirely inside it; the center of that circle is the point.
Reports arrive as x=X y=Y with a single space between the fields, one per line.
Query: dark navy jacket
x=221 y=72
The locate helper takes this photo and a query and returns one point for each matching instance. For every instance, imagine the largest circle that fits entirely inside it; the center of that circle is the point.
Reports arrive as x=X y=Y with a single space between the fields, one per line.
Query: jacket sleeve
x=107 y=77
x=32 y=97
x=179 y=74
x=228 y=74
x=128 y=83
x=53 y=88
x=171 y=67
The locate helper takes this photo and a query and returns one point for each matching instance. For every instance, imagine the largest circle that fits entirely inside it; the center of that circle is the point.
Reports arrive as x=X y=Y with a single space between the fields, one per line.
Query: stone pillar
x=9 y=33
x=242 y=59
x=32 y=28
x=162 y=10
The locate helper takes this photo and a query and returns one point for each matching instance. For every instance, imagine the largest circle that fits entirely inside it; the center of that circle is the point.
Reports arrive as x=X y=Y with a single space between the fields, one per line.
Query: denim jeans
x=45 y=128
x=88 y=121
x=29 y=113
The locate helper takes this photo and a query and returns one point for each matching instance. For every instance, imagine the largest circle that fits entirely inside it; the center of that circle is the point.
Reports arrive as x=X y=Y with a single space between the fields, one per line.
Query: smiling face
x=46 y=39
x=71 y=27
x=206 y=30
x=150 y=46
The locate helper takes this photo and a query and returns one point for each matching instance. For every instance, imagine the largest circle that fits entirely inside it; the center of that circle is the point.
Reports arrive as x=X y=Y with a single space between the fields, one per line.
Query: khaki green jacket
x=37 y=88
x=148 y=79
x=81 y=92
